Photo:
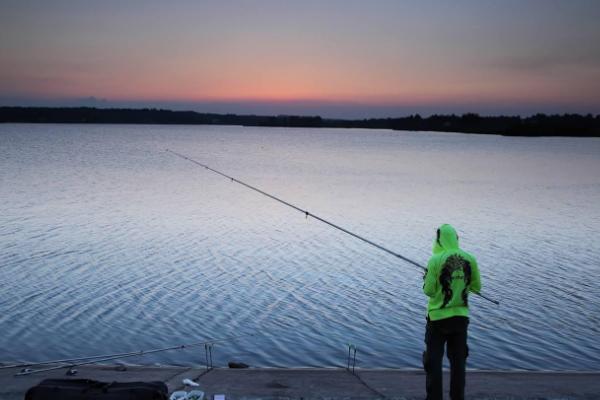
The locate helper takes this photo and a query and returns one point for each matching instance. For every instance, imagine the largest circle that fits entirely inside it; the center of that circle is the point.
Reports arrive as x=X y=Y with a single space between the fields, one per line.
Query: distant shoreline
x=569 y=125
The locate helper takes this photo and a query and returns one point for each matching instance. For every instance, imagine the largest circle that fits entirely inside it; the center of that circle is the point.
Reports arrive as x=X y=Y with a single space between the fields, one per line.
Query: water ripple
x=109 y=244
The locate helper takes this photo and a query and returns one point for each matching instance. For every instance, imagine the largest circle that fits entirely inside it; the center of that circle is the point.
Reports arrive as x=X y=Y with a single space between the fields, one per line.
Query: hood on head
x=437 y=248
x=446 y=239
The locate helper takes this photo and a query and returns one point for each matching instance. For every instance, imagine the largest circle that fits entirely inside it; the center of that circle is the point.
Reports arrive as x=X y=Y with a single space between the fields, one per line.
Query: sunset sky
x=333 y=58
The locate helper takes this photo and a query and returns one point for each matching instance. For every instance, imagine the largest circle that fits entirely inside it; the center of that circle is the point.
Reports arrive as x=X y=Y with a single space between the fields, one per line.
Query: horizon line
x=408 y=115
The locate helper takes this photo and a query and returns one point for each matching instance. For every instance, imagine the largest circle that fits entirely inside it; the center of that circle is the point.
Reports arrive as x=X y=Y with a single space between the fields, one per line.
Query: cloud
x=537 y=62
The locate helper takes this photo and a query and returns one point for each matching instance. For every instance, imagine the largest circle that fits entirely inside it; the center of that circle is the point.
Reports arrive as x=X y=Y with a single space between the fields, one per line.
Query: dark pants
x=454 y=332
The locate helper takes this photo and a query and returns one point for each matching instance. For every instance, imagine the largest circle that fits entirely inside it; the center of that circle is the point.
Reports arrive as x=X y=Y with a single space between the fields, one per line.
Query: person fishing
x=450 y=275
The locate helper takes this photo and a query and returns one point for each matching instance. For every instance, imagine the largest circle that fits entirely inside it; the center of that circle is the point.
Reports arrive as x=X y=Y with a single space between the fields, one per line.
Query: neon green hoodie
x=451 y=274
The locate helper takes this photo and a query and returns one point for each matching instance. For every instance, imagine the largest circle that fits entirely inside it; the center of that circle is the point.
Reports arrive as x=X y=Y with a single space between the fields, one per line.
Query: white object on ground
x=195 y=395
x=189 y=382
x=178 y=395
x=219 y=397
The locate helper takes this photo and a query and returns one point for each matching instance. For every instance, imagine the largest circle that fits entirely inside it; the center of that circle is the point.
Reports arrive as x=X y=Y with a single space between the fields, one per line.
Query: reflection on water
x=108 y=243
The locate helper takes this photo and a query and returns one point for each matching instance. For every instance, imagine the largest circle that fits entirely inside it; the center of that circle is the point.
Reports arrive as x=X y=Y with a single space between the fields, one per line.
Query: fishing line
x=309 y=214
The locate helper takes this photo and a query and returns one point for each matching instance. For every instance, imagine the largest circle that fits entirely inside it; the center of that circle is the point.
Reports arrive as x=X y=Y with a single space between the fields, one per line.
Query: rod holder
x=208 y=354
x=351 y=356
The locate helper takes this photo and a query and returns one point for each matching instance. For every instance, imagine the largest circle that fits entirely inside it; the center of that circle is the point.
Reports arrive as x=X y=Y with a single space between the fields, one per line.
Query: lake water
x=109 y=244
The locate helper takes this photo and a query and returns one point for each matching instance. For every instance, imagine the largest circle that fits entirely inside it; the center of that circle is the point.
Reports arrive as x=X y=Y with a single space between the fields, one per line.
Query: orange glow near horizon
x=306 y=78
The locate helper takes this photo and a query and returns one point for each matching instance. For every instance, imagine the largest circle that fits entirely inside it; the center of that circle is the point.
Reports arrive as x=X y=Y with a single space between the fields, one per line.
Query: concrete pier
x=256 y=383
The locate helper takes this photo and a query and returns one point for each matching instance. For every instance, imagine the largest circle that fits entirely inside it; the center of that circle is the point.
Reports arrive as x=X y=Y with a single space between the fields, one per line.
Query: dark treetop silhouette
x=536 y=125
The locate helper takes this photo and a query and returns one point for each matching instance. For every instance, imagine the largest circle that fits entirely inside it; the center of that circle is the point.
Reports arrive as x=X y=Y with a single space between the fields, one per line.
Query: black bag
x=87 y=389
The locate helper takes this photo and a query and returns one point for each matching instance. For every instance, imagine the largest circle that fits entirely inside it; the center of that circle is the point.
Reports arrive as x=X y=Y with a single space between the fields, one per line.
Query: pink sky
x=385 y=53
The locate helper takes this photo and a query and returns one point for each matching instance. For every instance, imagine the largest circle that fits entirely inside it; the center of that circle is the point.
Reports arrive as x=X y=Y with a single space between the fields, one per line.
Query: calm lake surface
x=110 y=244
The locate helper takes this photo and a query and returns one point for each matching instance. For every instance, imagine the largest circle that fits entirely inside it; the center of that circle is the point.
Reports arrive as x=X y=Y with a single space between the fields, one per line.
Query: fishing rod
x=117 y=356
x=309 y=214
x=66 y=360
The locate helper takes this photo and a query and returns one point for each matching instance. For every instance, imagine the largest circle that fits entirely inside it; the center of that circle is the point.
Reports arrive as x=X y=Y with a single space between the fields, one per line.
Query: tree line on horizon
x=535 y=125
